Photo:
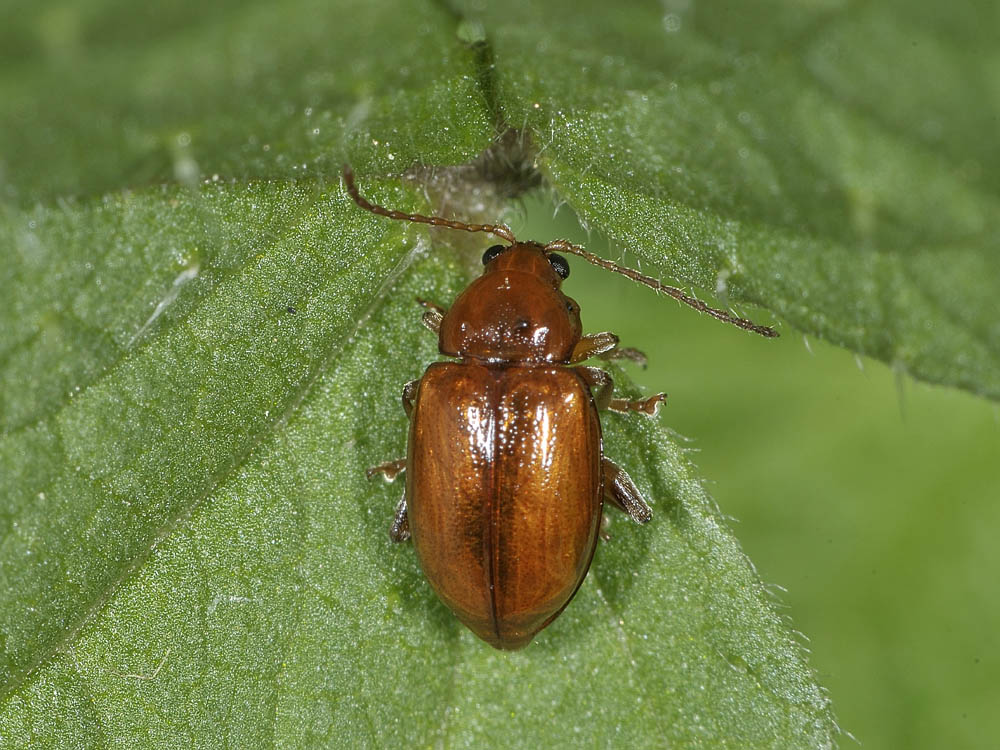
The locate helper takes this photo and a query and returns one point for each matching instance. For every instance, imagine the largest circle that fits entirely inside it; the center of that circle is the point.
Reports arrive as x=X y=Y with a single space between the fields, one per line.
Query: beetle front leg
x=592 y=345
x=433 y=316
x=605 y=346
x=621 y=492
x=400 y=529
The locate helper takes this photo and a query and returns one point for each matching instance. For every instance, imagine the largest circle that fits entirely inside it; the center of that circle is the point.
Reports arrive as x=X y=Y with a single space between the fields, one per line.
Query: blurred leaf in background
x=203 y=341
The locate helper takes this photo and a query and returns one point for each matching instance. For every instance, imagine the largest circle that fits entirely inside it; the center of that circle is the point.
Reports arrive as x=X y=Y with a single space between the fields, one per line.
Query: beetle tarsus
x=433 y=315
x=432 y=320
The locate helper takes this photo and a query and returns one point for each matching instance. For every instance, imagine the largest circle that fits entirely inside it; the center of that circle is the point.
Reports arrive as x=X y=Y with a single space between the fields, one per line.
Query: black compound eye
x=493 y=252
x=559 y=264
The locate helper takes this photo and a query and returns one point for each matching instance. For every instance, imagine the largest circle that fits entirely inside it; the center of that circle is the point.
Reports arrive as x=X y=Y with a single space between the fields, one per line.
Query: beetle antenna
x=747 y=325
x=500 y=230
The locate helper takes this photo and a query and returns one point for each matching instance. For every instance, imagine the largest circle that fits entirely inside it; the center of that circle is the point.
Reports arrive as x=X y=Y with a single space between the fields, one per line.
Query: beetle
x=506 y=476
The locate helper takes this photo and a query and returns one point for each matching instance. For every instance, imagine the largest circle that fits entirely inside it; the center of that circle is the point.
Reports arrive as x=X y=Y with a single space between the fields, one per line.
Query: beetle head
x=515 y=311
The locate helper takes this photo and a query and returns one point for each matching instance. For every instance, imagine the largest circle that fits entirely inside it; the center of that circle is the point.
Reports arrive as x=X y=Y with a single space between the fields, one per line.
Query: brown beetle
x=505 y=470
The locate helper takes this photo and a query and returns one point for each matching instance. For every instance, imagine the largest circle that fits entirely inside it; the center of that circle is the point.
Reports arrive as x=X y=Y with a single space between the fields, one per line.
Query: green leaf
x=203 y=341
x=106 y=97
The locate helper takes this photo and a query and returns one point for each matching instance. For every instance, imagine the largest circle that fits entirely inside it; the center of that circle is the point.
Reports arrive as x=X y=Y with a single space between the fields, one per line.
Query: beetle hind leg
x=621 y=492
x=400 y=529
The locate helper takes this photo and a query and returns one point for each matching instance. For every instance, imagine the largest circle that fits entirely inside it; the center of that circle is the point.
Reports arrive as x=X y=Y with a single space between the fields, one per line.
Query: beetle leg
x=605 y=346
x=592 y=345
x=433 y=316
x=389 y=470
x=600 y=383
x=432 y=321
x=400 y=529
x=602 y=387
x=409 y=393
x=621 y=492
x=648 y=406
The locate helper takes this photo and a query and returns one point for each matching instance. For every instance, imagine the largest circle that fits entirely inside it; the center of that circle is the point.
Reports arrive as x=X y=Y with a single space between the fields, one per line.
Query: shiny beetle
x=505 y=470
